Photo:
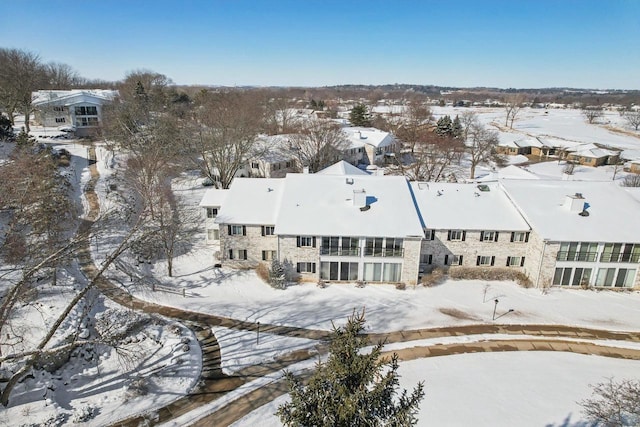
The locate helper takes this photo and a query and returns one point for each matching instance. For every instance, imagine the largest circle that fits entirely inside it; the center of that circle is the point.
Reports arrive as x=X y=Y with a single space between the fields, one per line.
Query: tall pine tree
x=359 y=116
x=351 y=388
x=444 y=126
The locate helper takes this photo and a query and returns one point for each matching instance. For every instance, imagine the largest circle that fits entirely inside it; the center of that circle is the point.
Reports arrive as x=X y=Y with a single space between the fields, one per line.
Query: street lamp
x=494 y=308
x=257 y=333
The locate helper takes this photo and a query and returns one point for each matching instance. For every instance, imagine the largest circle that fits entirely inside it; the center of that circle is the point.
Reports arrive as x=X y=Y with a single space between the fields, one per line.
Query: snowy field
x=494 y=389
x=536 y=389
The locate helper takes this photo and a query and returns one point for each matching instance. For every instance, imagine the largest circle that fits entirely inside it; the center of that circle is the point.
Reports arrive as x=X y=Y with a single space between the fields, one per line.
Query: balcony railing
x=384 y=252
x=620 y=257
x=576 y=256
x=339 y=251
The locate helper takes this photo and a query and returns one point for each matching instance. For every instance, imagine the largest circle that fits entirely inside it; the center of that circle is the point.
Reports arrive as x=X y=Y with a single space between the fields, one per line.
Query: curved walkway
x=215 y=384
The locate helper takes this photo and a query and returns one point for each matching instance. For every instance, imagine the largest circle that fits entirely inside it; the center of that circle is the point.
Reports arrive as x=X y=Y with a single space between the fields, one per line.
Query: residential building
x=79 y=109
x=341 y=225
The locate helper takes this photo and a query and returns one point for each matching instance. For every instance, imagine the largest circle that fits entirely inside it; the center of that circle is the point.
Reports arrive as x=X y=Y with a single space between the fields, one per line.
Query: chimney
x=574 y=203
x=359 y=198
x=305 y=169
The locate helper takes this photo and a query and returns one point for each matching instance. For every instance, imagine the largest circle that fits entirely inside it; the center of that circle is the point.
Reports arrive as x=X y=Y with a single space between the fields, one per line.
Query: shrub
x=470 y=273
x=401 y=286
x=277 y=275
x=263 y=272
x=434 y=278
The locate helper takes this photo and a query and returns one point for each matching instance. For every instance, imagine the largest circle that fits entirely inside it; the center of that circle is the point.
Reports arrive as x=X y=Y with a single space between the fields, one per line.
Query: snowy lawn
x=497 y=389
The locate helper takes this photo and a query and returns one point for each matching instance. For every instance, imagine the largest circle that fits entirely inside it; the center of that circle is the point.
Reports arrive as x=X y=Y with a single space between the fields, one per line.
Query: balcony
x=619 y=257
x=384 y=252
x=576 y=256
x=332 y=251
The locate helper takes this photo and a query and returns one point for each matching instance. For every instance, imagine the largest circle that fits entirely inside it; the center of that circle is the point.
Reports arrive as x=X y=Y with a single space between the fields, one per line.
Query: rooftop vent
x=359 y=198
x=483 y=187
x=365 y=208
x=349 y=181
x=575 y=203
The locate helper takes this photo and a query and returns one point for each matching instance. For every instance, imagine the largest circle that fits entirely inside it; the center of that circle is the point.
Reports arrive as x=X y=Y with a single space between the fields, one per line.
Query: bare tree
x=631 y=180
x=481 y=146
x=62 y=76
x=592 y=113
x=317 y=144
x=21 y=74
x=632 y=118
x=614 y=404
x=432 y=155
x=223 y=137
x=417 y=119
x=513 y=104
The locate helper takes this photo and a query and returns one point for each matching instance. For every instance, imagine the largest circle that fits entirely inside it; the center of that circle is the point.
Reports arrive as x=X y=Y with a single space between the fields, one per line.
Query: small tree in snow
x=592 y=114
x=351 y=388
x=277 y=275
x=632 y=118
x=614 y=404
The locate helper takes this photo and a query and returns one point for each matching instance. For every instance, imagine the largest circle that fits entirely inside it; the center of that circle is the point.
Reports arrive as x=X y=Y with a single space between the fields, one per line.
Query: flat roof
x=252 y=201
x=446 y=206
x=614 y=215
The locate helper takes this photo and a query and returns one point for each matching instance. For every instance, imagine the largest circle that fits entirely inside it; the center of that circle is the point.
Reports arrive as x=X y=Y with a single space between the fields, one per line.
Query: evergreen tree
x=6 y=130
x=24 y=139
x=444 y=126
x=359 y=116
x=351 y=388
x=277 y=275
x=456 y=128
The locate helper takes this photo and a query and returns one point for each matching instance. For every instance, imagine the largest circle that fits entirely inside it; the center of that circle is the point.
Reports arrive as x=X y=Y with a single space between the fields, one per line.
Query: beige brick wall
x=472 y=247
x=253 y=242
x=411 y=261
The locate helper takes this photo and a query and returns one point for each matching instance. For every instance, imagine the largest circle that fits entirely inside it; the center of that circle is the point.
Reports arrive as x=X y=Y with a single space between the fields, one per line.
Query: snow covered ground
x=495 y=389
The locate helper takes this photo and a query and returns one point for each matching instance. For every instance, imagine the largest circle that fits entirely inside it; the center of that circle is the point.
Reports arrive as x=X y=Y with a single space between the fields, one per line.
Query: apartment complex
x=343 y=227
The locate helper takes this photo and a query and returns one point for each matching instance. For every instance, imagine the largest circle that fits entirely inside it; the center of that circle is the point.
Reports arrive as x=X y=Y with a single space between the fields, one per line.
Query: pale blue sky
x=498 y=43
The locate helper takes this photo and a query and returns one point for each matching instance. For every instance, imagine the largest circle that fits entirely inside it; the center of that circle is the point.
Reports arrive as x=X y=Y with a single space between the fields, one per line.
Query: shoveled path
x=215 y=384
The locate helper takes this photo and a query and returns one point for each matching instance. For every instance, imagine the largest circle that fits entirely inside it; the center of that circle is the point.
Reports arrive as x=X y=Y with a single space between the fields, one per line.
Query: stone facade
x=248 y=238
x=440 y=248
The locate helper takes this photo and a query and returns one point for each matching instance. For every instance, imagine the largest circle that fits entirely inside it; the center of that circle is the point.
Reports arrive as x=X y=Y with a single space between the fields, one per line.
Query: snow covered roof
x=71 y=97
x=360 y=136
x=341 y=168
x=330 y=205
x=251 y=201
x=467 y=207
x=592 y=150
x=613 y=213
x=508 y=141
x=510 y=172
x=274 y=148
x=213 y=197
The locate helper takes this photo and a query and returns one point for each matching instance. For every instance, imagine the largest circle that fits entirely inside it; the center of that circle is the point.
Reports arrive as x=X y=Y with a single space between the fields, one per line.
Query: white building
x=80 y=108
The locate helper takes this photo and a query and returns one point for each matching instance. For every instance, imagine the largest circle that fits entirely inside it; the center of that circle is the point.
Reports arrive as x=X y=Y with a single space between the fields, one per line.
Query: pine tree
x=351 y=388
x=456 y=128
x=359 y=116
x=24 y=139
x=277 y=275
x=444 y=126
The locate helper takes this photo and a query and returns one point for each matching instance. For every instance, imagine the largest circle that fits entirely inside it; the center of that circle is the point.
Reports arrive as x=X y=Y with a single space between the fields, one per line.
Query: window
x=456 y=235
x=87 y=121
x=372 y=272
x=269 y=255
x=581 y=277
x=306 y=267
x=86 y=111
x=577 y=251
x=515 y=261
x=391 y=272
x=373 y=246
x=620 y=252
x=426 y=259
x=213 y=234
x=453 y=260
x=60 y=120
x=230 y=253
x=242 y=254
x=268 y=230
x=212 y=212
x=488 y=236
x=393 y=247
x=255 y=165
x=520 y=236
x=485 y=261
x=305 y=242
x=619 y=278
x=430 y=234
x=58 y=108
x=237 y=230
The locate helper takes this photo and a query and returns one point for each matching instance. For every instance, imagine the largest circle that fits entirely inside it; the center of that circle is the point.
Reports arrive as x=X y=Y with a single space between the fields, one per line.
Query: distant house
x=591 y=154
x=544 y=147
x=79 y=109
x=369 y=145
x=522 y=146
x=634 y=166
